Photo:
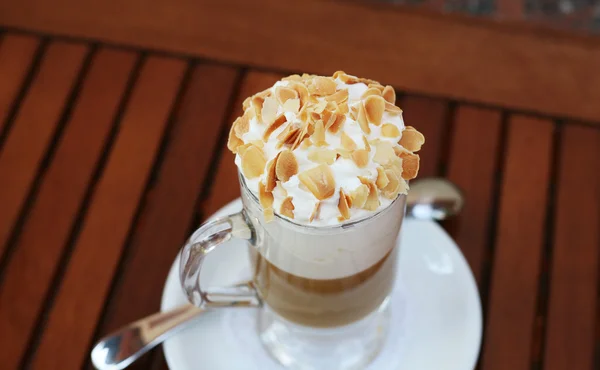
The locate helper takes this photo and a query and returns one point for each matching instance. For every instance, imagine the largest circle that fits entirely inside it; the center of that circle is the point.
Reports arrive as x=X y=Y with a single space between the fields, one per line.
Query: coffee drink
x=324 y=165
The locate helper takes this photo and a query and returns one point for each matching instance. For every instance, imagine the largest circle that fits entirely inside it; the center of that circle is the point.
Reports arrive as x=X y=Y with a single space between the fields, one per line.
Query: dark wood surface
x=510 y=64
x=110 y=156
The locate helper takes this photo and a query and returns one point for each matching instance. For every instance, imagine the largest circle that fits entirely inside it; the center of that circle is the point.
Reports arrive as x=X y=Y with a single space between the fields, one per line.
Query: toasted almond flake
x=375 y=85
x=391 y=108
x=389 y=94
x=349 y=200
x=337 y=123
x=303 y=93
x=368 y=82
x=346 y=78
x=342 y=108
x=366 y=142
x=269 y=110
x=318 y=136
x=339 y=96
x=314 y=116
x=315 y=212
x=288 y=138
x=339 y=74
x=285 y=132
x=328 y=118
x=383 y=152
x=347 y=142
x=258 y=143
x=359 y=196
x=242 y=148
x=265 y=197
x=280 y=120
x=371 y=91
x=361 y=118
x=241 y=125
x=292 y=78
x=322 y=86
x=391 y=189
x=271 y=180
x=291 y=105
x=233 y=142
x=287 y=208
x=253 y=162
x=247 y=102
x=382 y=179
x=344 y=153
x=268 y=214
x=390 y=130
x=319 y=181
x=374 y=108
x=343 y=205
x=287 y=165
x=319 y=107
x=326 y=156
x=354 y=112
x=372 y=202
x=412 y=139
x=257 y=104
x=283 y=94
x=395 y=164
x=360 y=157
x=293 y=137
x=410 y=165
x=306 y=143
x=363 y=180
x=301 y=135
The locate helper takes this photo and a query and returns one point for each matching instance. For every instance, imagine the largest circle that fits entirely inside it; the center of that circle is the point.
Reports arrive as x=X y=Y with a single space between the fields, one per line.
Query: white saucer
x=436 y=312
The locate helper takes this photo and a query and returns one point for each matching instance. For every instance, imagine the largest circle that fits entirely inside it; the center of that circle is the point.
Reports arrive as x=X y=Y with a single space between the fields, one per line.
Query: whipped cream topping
x=357 y=170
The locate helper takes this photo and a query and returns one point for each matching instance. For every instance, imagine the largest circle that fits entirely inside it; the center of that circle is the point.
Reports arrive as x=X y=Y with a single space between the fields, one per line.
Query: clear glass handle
x=203 y=241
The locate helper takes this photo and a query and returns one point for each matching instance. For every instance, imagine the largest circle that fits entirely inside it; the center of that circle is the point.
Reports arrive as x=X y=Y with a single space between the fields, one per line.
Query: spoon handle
x=120 y=349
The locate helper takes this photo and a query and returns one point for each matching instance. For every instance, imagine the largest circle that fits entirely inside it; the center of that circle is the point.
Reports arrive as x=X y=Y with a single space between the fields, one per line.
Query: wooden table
x=112 y=132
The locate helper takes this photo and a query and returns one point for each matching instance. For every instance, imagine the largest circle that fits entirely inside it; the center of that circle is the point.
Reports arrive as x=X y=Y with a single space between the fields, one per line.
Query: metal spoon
x=429 y=198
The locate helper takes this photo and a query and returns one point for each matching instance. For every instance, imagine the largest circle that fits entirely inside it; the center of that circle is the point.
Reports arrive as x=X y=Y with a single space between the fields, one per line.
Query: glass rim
x=347 y=225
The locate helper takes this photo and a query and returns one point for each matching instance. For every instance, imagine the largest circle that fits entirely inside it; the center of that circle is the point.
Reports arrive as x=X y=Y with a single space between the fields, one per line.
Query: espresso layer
x=324 y=302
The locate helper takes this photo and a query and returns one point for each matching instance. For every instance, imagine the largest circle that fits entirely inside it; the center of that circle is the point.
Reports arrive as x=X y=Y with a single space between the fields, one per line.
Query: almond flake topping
x=319 y=180
x=308 y=127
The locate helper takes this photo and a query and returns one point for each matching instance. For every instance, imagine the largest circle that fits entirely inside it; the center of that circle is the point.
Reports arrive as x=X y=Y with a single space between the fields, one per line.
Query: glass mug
x=322 y=292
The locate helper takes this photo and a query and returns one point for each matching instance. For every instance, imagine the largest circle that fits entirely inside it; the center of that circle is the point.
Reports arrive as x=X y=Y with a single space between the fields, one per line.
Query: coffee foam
x=327 y=253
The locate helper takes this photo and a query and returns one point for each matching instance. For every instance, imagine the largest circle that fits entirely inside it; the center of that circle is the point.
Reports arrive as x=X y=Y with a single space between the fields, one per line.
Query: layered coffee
x=325 y=162
x=323 y=302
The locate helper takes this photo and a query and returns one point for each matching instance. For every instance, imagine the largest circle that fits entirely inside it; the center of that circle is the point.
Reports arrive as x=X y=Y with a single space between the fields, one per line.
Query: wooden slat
x=520 y=237
x=45 y=233
x=16 y=57
x=511 y=65
x=169 y=207
x=225 y=186
x=510 y=9
x=473 y=156
x=33 y=129
x=429 y=117
x=573 y=305
x=79 y=300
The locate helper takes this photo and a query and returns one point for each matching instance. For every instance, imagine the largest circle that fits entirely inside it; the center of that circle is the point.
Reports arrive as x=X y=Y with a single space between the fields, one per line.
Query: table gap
x=31 y=74
x=540 y=324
